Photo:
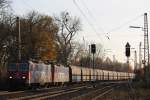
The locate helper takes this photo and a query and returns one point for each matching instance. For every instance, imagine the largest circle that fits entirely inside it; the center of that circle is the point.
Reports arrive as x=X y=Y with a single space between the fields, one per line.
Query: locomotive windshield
x=12 y=67
x=18 y=67
x=23 y=67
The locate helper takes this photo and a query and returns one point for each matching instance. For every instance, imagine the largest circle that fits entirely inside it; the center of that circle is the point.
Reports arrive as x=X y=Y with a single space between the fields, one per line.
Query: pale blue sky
x=105 y=16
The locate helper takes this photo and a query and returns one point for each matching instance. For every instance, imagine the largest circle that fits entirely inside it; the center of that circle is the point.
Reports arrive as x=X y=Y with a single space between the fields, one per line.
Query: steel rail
x=92 y=92
x=48 y=94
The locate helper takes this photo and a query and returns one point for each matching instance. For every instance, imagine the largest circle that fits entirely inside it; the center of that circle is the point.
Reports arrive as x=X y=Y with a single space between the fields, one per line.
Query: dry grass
x=124 y=94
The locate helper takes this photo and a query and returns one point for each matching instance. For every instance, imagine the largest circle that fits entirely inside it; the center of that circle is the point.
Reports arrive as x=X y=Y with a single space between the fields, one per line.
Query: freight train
x=40 y=74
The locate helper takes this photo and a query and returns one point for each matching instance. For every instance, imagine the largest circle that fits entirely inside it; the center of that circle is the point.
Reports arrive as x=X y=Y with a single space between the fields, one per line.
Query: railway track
x=95 y=94
x=75 y=92
x=104 y=91
x=49 y=95
x=13 y=94
x=80 y=94
x=8 y=93
x=31 y=94
x=131 y=91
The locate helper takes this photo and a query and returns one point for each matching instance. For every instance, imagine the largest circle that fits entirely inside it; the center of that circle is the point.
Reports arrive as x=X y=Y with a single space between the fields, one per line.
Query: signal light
x=93 y=48
x=127 y=49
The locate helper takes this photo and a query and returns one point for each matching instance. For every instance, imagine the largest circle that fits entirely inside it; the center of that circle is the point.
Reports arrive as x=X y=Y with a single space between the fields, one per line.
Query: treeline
x=43 y=37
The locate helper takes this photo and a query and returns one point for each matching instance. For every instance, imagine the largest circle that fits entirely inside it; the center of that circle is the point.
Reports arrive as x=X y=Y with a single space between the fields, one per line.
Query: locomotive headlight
x=10 y=77
x=23 y=77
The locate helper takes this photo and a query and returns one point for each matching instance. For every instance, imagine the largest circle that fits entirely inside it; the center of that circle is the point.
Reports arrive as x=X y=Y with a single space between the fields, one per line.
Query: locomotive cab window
x=12 y=67
x=23 y=67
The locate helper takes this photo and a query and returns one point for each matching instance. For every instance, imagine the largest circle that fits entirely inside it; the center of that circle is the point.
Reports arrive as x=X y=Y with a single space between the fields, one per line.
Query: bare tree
x=36 y=31
x=4 y=4
x=78 y=52
x=68 y=27
x=6 y=28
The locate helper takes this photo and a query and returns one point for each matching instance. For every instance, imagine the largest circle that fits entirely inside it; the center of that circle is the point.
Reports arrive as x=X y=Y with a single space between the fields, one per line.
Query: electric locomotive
x=35 y=74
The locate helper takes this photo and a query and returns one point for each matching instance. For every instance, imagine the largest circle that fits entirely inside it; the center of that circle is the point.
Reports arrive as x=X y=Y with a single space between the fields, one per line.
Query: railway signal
x=93 y=48
x=127 y=49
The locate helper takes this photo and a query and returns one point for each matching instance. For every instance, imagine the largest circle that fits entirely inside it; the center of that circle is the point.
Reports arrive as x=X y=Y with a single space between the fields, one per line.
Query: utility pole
x=90 y=61
x=146 y=50
x=135 y=61
x=93 y=51
x=19 y=39
x=90 y=56
x=140 y=56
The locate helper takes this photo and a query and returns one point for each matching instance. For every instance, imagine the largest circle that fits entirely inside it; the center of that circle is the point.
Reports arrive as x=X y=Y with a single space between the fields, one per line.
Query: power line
x=114 y=29
x=87 y=19
x=27 y=4
x=90 y=13
x=126 y=23
x=24 y=3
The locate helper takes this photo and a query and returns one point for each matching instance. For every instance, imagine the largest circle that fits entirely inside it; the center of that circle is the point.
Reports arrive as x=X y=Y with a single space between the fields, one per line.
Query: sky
x=101 y=19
